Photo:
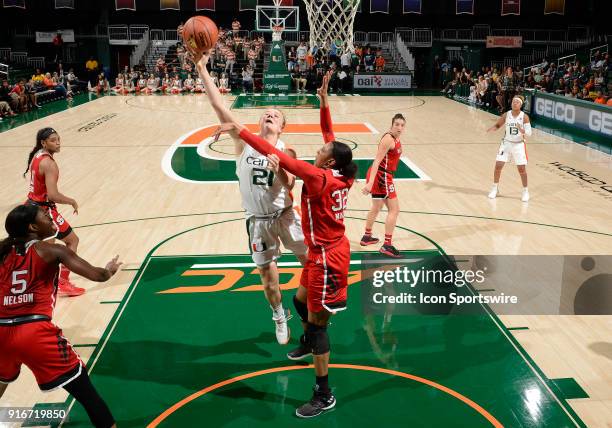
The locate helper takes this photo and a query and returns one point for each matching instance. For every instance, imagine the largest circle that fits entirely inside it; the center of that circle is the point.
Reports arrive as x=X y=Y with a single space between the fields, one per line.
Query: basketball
x=200 y=33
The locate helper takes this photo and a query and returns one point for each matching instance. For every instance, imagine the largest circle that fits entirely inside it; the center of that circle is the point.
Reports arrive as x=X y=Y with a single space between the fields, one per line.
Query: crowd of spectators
x=493 y=88
x=308 y=65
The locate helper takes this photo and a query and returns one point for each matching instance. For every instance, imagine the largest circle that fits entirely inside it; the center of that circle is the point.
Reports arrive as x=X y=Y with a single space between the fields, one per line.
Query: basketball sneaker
x=390 y=250
x=301 y=352
x=283 y=333
x=525 y=197
x=368 y=240
x=319 y=403
x=68 y=289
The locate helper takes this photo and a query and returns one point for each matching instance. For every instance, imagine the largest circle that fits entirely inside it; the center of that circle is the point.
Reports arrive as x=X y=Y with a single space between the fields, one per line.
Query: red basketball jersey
x=391 y=159
x=28 y=284
x=323 y=212
x=38 y=187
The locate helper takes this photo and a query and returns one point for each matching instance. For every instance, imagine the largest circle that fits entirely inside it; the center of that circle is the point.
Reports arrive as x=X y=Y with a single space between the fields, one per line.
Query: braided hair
x=17 y=226
x=41 y=135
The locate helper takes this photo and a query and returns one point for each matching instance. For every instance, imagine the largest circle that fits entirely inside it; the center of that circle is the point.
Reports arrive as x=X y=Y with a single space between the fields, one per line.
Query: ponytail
x=41 y=135
x=343 y=155
x=17 y=225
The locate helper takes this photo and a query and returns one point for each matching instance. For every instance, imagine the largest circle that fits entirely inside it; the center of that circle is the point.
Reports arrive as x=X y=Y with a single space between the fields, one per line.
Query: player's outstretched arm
x=383 y=147
x=64 y=255
x=327 y=127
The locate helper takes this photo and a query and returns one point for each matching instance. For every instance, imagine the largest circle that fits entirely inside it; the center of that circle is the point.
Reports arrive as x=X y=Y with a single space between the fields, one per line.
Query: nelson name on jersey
x=18 y=300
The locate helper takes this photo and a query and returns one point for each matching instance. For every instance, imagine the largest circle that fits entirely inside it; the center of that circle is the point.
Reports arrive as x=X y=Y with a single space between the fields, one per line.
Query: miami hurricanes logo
x=193 y=158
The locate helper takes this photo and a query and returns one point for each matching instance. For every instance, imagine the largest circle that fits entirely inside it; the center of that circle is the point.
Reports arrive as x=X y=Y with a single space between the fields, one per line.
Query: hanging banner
x=412 y=6
x=169 y=4
x=48 y=36
x=512 y=42
x=379 y=6
x=125 y=4
x=465 y=6
x=205 y=4
x=511 y=7
x=64 y=4
x=14 y=3
x=247 y=4
x=554 y=6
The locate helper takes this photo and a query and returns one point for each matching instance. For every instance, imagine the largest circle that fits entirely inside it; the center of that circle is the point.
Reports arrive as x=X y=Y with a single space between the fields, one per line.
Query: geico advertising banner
x=385 y=82
x=48 y=36
x=579 y=114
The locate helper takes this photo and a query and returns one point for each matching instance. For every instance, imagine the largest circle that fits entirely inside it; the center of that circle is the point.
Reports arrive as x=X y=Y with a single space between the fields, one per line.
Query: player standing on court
x=43 y=191
x=380 y=185
x=513 y=144
x=323 y=289
x=265 y=190
x=28 y=287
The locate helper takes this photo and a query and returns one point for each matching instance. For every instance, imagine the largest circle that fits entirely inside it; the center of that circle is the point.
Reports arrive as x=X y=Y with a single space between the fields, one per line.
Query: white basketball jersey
x=261 y=190
x=512 y=127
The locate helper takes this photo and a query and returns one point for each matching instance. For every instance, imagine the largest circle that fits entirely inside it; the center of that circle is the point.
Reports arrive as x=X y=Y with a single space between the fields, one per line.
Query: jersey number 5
x=340 y=198
x=263 y=177
x=19 y=284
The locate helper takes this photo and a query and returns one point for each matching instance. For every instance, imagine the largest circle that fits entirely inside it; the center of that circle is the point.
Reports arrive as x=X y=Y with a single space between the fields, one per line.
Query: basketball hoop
x=331 y=20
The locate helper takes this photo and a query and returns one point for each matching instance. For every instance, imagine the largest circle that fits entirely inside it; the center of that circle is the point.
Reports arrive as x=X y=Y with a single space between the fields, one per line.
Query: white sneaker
x=493 y=193
x=283 y=332
x=525 y=197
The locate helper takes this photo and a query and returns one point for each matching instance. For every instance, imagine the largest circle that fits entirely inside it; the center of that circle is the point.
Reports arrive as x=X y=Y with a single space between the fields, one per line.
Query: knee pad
x=301 y=309
x=318 y=339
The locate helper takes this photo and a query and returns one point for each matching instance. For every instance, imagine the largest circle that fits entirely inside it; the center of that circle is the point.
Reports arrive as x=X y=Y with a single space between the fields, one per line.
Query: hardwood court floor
x=115 y=157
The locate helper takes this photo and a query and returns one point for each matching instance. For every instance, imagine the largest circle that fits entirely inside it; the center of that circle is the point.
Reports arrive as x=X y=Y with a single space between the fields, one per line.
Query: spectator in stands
x=199 y=84
x=224 y=85
x=235 y=26
x=7 y=96
x=584 y=95
x=31 y=95
x=481 y=89
x=38 y=78
x=310 y=59
x=559 y=87
x=302 y=50
x=291 y=58
x=5 y=110
x=609 y=103
x=590 y=85
x=380 y=62
x=252 y=56
x=58 y=45
x=333 y=51
x=509 y=88
x=299 y=79
x=369 y=60
x=247 y=79
x=345 y=60
x=19 y=92
x=92 y=70
x=230 y=57
x=189 y=83
x=601 y=99
x=343 y=80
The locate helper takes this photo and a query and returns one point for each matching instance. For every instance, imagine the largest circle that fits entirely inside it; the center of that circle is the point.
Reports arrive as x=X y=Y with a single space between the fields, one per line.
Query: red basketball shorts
x=383 y=187
x=42 y=347
x=325 y=277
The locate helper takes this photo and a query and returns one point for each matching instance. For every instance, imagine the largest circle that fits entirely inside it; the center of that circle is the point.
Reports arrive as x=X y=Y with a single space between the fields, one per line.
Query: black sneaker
x=300 y=352
x=319 y=403
x=369 y=240
x=390 y=250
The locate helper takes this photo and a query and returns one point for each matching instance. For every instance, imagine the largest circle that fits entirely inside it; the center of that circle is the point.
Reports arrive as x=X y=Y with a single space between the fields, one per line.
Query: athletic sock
x=388 y=238
x=323 y=385
x=368 y=232
x=278 y=312
x=64 y=273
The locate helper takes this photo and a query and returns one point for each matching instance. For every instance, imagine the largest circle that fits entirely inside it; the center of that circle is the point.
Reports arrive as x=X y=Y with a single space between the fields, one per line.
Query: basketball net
x=331 y=20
